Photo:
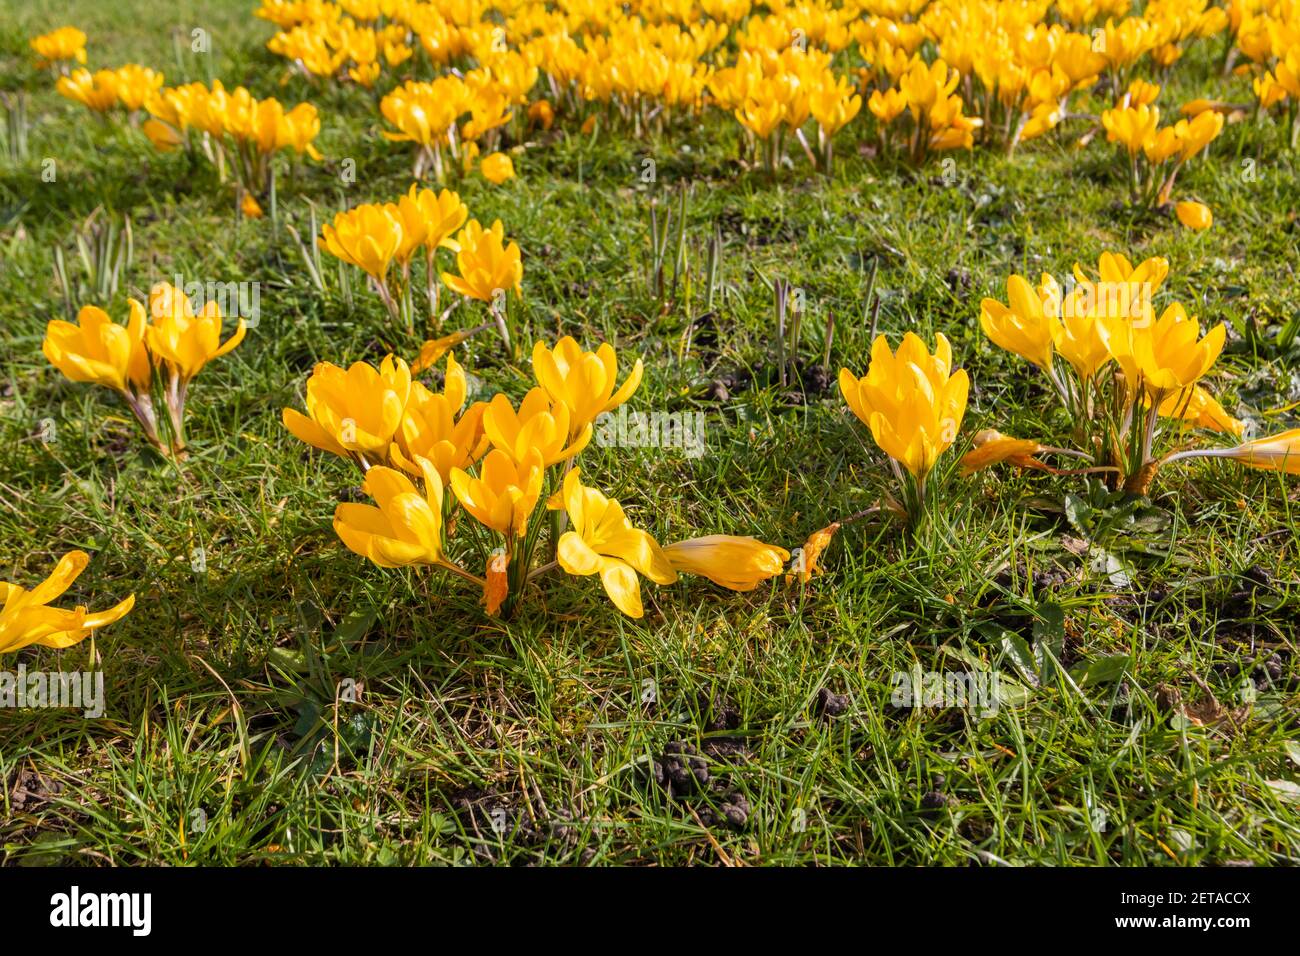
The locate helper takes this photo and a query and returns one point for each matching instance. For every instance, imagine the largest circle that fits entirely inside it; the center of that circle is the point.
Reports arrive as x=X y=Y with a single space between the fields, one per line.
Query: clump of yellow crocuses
x=383 y=239
x=153 y=357
x=233 y=129
x=59 y=47
x=129 y=87
x=1156 y=153
x=1122 y=369
x=502 y=462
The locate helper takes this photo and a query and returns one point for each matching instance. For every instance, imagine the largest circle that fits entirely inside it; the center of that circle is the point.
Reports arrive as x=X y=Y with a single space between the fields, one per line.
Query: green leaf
x=1022 y=658
x=1078 y=514
x=1104 y=670
x=1287 y=790
x=288 y=659
x=1292 y=750
x=355 y=625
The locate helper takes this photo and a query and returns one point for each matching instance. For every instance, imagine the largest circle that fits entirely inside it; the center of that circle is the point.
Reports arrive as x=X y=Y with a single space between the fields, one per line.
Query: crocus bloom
x=540 y=425
x=912 y=401
x=98 y=91
x=604 y=542
x=497 y=168
x=442 y=214
x=488 y=267
x=357 y=411
x=65 y=43
x=1166 y=355
x=886 y=106
x=1025 y=328
x=98 y=350
x=583 y=381
x=136 y=85
x=1133 y=127
x=183 y=339
x=1194 y=215
x=164 y=137
x=431 y=429
x=368 y=237
x=414 y=226
x=1279 y=452
x=405 y=528
x=732 y=561
x=1195 y=134
x=26 y=619
x=1078 y=340
x=1200 y=408
x=504 y=494
x=992 y=447
x=1114 y=268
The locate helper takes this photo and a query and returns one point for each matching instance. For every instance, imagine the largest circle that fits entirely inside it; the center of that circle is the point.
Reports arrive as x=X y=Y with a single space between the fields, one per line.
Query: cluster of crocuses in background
x=1129 y=379
x=949 y=74
x=934 y=76
x=1156 y=153
x=503 y=464
x=233 y=129
x=1120 y=371
x=153 y=357
x=383 y=240
x=129 y=87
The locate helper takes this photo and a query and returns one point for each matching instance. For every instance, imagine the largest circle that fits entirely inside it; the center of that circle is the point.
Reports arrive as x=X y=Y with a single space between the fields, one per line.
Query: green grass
x=225 y=740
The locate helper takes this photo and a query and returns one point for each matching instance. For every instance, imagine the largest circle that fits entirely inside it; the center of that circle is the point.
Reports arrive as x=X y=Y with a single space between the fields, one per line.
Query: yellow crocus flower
x=497 y=168
x=1024 y=327
x=136 y=85
x=886 y=106
x=65 y=43
x=488 y=267
x=1279 y=452
x=25 y=618
x=1162 y=145
x=925 y=86
x=1131 y=126
x=911 y=400
x=1201 y=409
x=583 y=381
x=442 y=214
x=405 y=527
x=1194 y=215
x=353 y=412
x=431 y=427
x=1197 y=133
x=99 y=350
x=368 y=236
x=97 y=91
x=182 y=339
x=1168 y=354
x=738 y=563
x=504 y=493
x=604 y=542
x=540 y=425
x=761 y=117
x=1165 y=356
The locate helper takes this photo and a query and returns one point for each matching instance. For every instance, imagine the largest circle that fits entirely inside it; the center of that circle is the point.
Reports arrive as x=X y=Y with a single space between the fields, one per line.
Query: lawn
x=274 y=698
